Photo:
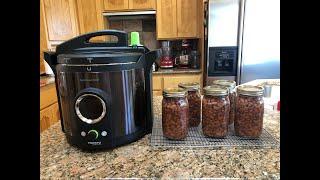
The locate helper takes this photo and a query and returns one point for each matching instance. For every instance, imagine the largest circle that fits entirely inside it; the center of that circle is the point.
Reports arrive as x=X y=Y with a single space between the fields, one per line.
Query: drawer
x=157 y=93
x=173 y=81
x=49 y=116
x=156 y=82
x=48 y=95
x=45 y=118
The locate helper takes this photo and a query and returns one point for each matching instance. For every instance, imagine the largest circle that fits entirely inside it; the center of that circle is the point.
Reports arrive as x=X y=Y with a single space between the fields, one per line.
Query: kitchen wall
x=145 y=27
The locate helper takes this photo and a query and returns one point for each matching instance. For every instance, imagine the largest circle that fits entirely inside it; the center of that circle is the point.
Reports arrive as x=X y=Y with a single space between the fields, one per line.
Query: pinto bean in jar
x=175 y=113
x=194 y=100
x=232 y=95
x=215 y=106
x=249 y=111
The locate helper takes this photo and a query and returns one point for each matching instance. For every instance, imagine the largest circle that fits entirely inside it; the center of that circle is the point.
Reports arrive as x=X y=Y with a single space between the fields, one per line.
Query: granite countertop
x=59 y=160
x=177 y=71
x=46 y=80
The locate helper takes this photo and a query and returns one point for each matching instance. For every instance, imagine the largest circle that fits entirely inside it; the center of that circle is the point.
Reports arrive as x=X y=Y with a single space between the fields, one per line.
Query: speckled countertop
x=59 y=160
x=177 y=71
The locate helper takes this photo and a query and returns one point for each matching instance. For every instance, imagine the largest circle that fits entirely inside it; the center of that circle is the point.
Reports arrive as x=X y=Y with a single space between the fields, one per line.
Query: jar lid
x=174 y=92
x=190 y=86
x=215 y=90
x=250 y=90
x=226 y=83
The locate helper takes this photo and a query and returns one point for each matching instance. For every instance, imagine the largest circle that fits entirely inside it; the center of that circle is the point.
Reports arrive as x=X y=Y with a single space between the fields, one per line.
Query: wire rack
x=196 y=139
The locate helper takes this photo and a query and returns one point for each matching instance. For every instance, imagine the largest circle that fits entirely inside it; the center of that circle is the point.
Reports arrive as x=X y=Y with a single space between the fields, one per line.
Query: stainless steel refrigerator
x=243 y=40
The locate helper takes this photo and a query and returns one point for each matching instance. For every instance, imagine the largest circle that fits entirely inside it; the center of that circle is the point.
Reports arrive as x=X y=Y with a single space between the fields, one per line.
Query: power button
x=93 y=133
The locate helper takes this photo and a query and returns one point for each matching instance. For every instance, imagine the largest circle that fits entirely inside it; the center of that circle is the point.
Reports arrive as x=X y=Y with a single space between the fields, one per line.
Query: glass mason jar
x=249 y=111
x=232 y=96
x=175 y=113
x=194 y=100
x=215 y=104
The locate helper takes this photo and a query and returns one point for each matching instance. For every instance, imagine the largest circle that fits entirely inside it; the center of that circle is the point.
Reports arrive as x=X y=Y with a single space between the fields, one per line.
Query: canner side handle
x=150 y=59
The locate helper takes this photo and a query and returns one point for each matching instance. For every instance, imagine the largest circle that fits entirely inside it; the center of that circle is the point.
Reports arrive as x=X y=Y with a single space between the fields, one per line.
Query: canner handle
x=150 y=58
x=82 y=41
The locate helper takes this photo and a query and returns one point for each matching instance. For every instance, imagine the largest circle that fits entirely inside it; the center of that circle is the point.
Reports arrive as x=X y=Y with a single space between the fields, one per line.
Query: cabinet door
x=116 y=5
x=142 y=4
x=166 y=19
x=157 y=93
x=45 y=118
x=187 y=18
x=60 y=16
x=43 y=40
x=48 y=95
x=90 y=16
x=174 y=80
x=49 y=116
x=157 y=83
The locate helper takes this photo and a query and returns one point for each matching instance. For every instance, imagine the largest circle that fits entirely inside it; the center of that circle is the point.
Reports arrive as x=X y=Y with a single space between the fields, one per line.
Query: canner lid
x=99 y=57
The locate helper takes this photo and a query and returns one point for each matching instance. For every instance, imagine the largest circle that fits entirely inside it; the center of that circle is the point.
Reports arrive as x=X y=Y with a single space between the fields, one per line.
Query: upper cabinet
x=177 y=19
x=166 y=19
x=187 y=18
x=61 y=19
x=142 y=4
x=116 y=5
x=127 y=5
x=43 y=41
x=90 y=16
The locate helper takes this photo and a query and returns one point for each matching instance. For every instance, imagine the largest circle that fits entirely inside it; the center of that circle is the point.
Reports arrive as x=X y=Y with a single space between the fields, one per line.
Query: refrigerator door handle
x=240 y=39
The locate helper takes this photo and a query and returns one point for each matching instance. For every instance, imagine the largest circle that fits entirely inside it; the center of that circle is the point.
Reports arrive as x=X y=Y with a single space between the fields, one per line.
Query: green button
x=95 y=132
x=135 y=39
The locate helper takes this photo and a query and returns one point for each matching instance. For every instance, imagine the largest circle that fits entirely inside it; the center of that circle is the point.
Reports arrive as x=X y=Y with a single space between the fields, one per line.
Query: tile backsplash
x=145 y=27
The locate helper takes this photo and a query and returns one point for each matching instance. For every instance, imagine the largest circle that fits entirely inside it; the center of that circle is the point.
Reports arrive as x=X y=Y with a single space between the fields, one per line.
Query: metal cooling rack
x=196 y=139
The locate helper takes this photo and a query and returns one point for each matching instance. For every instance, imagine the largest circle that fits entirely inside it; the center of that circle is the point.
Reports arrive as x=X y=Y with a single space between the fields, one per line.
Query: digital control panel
x=93 y=134
x=222 y=61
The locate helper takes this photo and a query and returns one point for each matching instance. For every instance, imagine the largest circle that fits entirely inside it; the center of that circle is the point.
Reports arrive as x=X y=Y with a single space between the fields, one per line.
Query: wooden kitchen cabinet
x=174 y=80
x=177 y=19
x=166 y=19
x=45 y=118
x=157 y=82
x=49 y=116
x=43 y=41
x=162 y=81
x=157 y=92
x=116 y=5
x=127 y=5
x=49 y=108
x=142 y=4
x=48 y=95
x=60 y=19
x=90 y=17
x=187 y=18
